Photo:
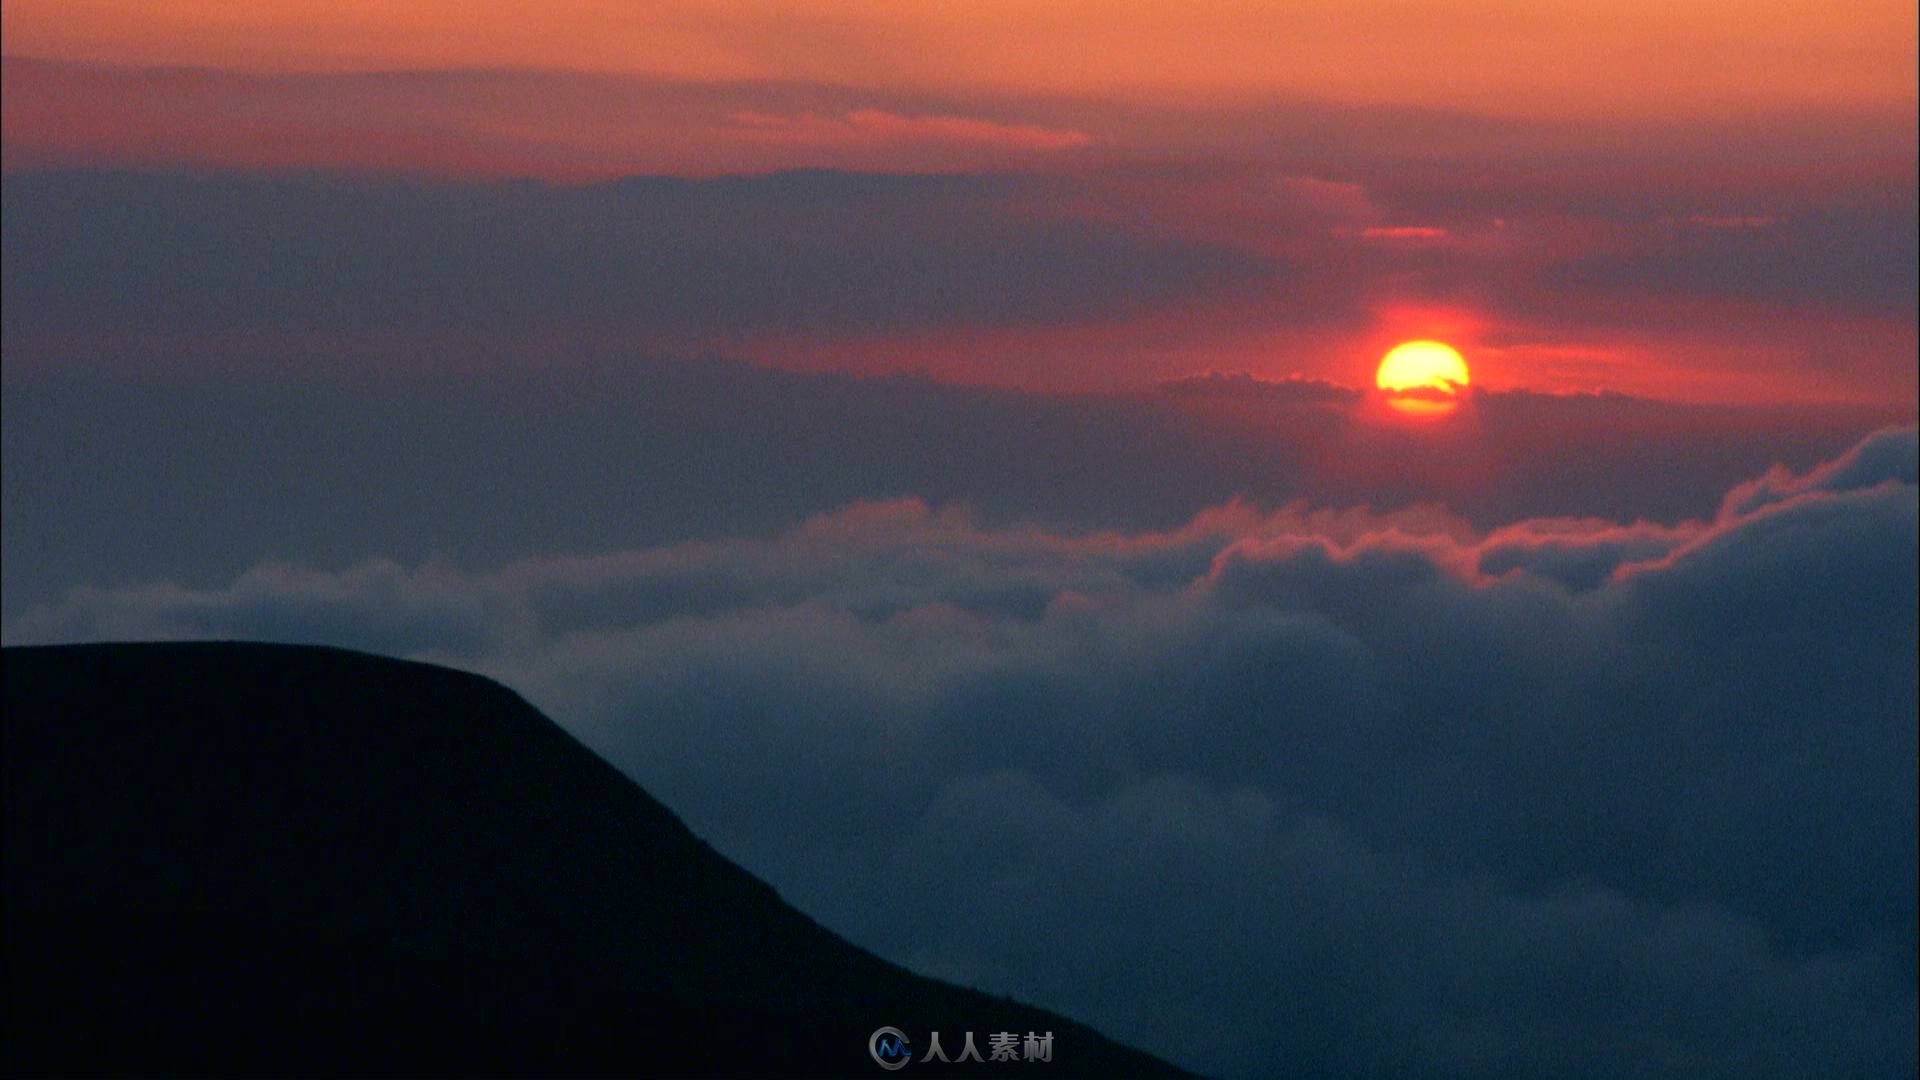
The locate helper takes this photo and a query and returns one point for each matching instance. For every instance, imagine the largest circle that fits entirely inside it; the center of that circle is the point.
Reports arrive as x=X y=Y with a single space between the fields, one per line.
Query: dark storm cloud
x=1335 y=793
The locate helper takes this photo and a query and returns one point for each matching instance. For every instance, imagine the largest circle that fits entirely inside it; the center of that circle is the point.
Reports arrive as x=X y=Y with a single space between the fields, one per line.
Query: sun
x=1422 y=378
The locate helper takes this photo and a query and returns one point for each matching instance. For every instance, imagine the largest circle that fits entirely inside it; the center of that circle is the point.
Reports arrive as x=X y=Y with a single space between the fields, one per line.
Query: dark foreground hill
x=265 y=859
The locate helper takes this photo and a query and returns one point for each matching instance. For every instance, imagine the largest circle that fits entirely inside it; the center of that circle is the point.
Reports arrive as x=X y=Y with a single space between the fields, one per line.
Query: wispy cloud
x=877 y=126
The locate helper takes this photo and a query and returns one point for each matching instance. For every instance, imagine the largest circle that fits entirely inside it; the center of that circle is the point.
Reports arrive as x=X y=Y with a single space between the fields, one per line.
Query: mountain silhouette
x=244 y=858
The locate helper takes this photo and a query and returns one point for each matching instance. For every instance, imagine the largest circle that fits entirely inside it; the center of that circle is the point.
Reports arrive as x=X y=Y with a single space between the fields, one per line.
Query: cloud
x=514 y=122
x=1729 y=221
x=1856 y=254
x=606 y=452
x=1330 y=792
x=1010 y=243
x=1887 y=457
x=340 y=265
x=1539 y=62
x=1403 y=233
x=1578 y=554
x=869 y=126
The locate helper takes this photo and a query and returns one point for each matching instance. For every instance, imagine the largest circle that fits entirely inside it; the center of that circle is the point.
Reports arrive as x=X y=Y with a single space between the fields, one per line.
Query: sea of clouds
x=1308 y=791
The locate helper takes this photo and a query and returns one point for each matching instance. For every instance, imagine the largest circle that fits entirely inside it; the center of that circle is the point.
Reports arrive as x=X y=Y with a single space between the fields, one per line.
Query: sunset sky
x=936 y=448
x=1702 y=201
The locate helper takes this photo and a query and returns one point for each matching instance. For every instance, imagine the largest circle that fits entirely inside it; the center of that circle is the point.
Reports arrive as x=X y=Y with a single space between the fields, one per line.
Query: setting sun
x=1422 y=365
x=776 y=392
x=1422 y=378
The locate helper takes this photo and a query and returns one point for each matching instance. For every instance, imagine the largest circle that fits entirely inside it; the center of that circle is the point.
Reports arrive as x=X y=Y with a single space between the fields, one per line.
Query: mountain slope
x=255 y=858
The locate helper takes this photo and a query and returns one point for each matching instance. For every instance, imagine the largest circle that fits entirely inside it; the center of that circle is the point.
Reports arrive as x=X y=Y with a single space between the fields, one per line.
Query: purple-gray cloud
x=1104 y=277
x=658 y=261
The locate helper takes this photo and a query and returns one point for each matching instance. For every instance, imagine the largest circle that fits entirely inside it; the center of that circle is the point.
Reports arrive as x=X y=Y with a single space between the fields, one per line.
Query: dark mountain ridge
x=293 y=860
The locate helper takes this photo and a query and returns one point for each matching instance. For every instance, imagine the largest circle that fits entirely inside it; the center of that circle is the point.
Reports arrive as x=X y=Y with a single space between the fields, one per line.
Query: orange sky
x=1514 y=57
x=1700 y=200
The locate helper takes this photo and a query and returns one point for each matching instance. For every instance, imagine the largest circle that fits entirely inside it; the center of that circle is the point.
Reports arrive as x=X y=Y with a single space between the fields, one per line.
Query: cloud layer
x=1327 y=792
x=1097 y=275
x=112 y=479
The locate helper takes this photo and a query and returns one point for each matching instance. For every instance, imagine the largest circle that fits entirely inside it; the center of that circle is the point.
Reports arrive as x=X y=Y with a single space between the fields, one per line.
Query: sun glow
x=1422 y=378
